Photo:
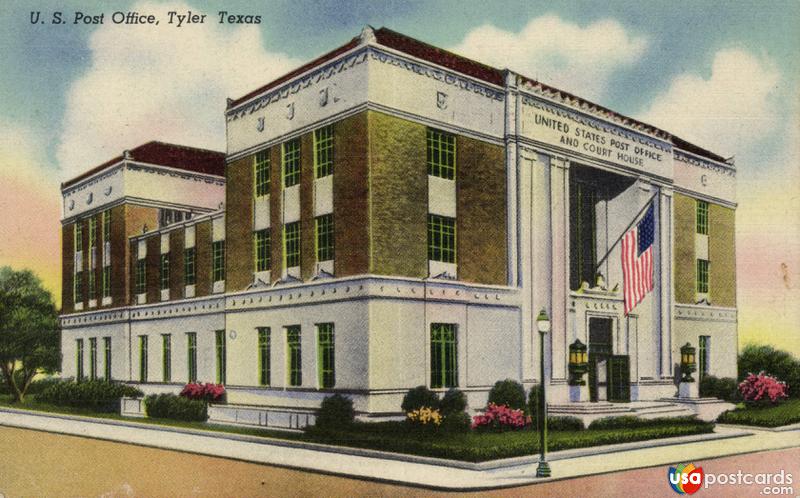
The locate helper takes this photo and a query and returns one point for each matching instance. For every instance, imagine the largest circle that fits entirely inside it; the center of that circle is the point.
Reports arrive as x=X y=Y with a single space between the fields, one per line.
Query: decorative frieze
x=688 y=158
x=704 y=313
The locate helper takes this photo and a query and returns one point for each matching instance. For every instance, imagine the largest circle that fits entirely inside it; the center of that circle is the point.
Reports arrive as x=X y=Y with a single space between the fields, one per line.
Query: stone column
x=664 y=269
x=559 y=269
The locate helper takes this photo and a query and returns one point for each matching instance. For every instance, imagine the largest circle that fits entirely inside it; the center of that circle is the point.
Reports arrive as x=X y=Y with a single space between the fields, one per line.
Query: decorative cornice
x=448 y=77
x=175 y=173
x=320 y=74
x=689 y=158
x=596 y=123
x=93 y=180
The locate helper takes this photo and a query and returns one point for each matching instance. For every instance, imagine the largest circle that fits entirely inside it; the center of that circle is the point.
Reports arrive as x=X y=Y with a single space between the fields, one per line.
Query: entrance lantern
x=578 y=363
x=688 y=364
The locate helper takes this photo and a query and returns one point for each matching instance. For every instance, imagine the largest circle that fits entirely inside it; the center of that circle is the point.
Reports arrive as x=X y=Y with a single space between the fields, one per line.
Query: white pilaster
x=665 y=271
x=559 y=220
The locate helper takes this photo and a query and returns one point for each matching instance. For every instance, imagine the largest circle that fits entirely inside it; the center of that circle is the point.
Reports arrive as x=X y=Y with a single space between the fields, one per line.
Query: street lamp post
x=543 y=324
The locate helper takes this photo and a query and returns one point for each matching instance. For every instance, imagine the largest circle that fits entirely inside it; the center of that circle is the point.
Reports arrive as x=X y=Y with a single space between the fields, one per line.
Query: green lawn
x=396 y=437
x=785 y=413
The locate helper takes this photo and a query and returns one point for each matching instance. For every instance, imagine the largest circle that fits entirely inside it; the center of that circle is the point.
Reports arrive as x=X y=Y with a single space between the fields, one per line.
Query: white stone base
x=707 y=409
x=688 y=390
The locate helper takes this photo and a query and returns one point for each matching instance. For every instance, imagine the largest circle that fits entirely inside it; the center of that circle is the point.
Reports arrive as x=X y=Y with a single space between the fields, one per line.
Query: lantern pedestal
x=578 y=393
x=688 y=390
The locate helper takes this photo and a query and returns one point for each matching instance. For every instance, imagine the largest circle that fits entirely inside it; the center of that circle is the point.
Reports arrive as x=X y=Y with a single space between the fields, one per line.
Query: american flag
x=637 y=261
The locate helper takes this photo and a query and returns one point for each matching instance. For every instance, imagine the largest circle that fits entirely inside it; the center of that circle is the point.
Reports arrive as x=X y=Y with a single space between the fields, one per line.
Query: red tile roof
x=469 y=67
x=204 y=161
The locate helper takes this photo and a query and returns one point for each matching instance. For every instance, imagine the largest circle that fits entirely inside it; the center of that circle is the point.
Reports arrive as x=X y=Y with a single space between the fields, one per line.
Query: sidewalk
x=401 y=469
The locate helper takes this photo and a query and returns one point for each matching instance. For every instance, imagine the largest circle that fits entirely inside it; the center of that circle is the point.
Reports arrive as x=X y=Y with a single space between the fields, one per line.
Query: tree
x=29 y=337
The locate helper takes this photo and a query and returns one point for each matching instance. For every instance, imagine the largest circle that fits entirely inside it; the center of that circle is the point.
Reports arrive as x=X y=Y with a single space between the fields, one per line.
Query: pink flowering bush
x=212 y=393
x=499 y=418
x=757 y=389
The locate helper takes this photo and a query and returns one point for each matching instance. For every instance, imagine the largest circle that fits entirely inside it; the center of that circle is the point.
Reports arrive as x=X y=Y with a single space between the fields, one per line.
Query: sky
x=723 y=75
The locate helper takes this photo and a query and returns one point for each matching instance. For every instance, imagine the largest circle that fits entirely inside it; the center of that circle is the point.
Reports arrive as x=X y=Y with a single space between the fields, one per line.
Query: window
x=78 y=236
x=702 y=276
x=323 y=151
x=291 y=244
x=142 y=358
x=79 y=359
x=264 y=364
x=441 y=154
x=93 y=358
x=262 y=245
x=164 y=277
x=702 y=217
x=141 y=282
x=191 y=362
x=221 y=358
x=107 y=357
x=92 y=232
x=188 y=266
x=583 y=198
x=106 y=226
x=291 y=162
x=92 y=284
x=262 y=173
x=106 y=283
x=441 y=238
x=294 y=356
x=703 y=355
x=325 y=240
x=218 y=261
x=325 y=355
x=166 y=357
x=77 y=290
x=444 y=362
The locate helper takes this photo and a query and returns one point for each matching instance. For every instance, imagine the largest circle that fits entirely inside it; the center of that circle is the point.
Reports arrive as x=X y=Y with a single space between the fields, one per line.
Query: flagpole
x=635 y=219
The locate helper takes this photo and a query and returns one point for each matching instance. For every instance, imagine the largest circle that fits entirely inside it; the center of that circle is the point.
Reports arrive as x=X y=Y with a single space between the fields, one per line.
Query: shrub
x=508 y=392
x=424 y=418
x=533 y=404
x=419 y=397
x=724 y=388
x=95 y=395
x=633 y=422
x=336 y=412
x=176 y=408
x=564 y=424
x=453 y=402
x=498 y=418
x=211 y=393
x=457 y=423
x=774 y=362
x=757 y=389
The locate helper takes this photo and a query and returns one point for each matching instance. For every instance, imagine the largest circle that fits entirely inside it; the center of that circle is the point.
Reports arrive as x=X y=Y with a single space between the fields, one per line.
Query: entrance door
x=619 y=378
x=599 y=355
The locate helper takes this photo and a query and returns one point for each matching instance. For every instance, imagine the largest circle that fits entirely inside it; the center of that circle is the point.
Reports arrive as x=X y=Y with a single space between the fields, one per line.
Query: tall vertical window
x=291 y=162
x=583 y=198
x=188 y=266
x=166 y=357
x=323 y=151
x=164 y=276
x=92 y=255
x=79 y=359
x=92 y=232
x=702 y=276
x=92 y=284
x=77 y=289
x=264 y=362
x=106 y=281
x=326 y=355
x=262 y=173
x=291 y=244
x=441 y=154
x=93 y=358
x=294 y=356
x=191 y=353
x=325 y=240
x=78 y=236
x=221 y=356
x=142 y=358
x=441 y=238
x=444 y=355
x=141 y=282
x=77 y=283
x=218 y=261
x=106 y=226
x=107 y=358
x=262 y=245
x=703 y=355
x=702 y=217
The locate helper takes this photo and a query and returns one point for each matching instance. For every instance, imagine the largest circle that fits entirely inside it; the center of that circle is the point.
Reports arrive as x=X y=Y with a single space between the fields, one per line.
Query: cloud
x=727 y=112
x=161 y=82
x=30 y=205
x=577 y=59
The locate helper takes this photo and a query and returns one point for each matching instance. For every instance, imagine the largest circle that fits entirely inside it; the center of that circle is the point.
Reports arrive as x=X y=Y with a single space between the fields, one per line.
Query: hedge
x=724 y=388
x=632 y=422
x=96 y=395
x=785 y=413
x=176 y=408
